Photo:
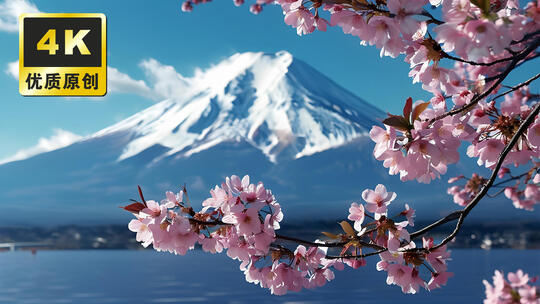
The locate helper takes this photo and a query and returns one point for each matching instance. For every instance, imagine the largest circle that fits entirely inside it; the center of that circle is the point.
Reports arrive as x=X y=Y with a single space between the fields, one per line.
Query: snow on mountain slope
x=276 y=103
x=267 y=115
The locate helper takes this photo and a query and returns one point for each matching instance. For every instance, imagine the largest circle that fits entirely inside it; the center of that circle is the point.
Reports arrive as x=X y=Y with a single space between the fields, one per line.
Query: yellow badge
x=62 y=54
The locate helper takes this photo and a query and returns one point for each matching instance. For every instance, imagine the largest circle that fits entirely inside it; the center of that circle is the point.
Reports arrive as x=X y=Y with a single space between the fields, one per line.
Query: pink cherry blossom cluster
x=493 y=129
x=404 y=267
x=400 y=259
x=495 y=126
x=480 y=31
x=486 y=40
x=241 y=218
x=525 y=193
x=418 y=146
x=292 y=271
x=414 y=149
x=517 y=289
x=463 y=195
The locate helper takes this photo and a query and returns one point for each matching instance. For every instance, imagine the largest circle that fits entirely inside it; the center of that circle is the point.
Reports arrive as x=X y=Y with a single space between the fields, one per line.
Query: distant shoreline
x=487 y=235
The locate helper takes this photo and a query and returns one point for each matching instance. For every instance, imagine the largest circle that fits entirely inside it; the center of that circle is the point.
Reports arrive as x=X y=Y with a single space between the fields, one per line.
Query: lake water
x=122 y=276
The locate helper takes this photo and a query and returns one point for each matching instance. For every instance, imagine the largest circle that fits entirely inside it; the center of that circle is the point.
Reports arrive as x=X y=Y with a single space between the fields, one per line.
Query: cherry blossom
x=378 y=199
x=517 y=289
x=357 y=214
x=241 y=219
x=461 y=58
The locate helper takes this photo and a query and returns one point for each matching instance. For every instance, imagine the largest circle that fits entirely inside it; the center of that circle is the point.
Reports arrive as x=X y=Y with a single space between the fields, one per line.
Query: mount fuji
x=271 y=116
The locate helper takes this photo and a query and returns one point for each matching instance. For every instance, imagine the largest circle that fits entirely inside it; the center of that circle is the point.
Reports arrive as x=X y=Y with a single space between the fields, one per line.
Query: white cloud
x=166 y=82
x=122 y=83
x=10 y=11
x=60 y=138
x=13 y=69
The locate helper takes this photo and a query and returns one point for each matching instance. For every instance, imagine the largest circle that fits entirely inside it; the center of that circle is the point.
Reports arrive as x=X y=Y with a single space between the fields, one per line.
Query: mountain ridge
x=257 y=97
x=267 y=115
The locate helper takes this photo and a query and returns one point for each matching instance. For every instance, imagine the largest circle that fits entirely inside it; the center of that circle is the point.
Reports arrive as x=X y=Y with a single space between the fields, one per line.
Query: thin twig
x=518 y=86
x=326 y=244
x=212 y=223
x=300 y=241
x=460 y=215
x=432 y=19
x=487 y=186
x=526 y=37
x=496 y=193
x=448 y=56
x=515 y=177
x=500 y=79
x=360 y=256
x=449 y=218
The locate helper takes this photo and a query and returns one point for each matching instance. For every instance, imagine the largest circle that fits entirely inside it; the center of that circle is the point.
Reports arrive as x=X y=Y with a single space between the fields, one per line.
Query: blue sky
x=139 y=31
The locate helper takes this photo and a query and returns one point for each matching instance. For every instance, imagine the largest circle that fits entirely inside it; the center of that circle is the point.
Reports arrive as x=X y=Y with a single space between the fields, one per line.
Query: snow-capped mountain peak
x=276 y=103
x=221 y=121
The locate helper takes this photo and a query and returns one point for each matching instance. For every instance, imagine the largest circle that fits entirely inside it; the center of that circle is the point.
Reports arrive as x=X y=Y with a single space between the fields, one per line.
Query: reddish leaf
x=345 y=248
x=134 y=208
x=397 y=122
x=142 y=196
x=418 y=110
x=407 y=109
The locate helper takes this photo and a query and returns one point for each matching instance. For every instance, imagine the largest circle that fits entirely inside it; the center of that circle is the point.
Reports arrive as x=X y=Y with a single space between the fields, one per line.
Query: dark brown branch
x=460 y=215
x=300 y=241
x=500 y=79
x=515 y=177
x=326 y=244
x=205 y=223
x=530 y=57
x=491 y=180
x=526 y=37
x=448 y=56
x=449 y=218
x=431 y=18
x=360 y=256
x=512 y=89
x=496 y=193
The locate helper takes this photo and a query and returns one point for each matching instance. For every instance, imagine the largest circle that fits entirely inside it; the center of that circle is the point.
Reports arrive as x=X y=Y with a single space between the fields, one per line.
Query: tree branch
x=431 y=18
x=300 y=241
x=459 y=215
x=360 y=256
x=512 y=89
x=448 y=56
x=491 y=180
x=500 y=79
x=326 y=244
x=449 y=218
x=206 y=223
